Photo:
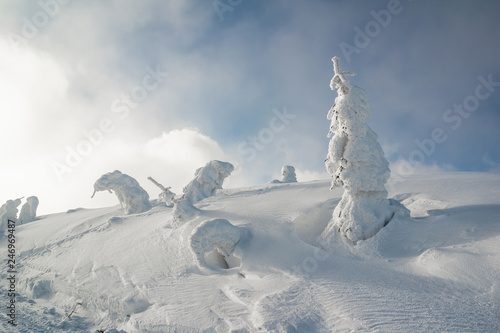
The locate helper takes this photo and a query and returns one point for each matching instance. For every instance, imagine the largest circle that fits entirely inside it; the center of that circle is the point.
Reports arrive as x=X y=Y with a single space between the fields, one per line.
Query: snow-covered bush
x=356 y=161
x=287 y=175
x=214 y=241
x=28 y=210
x=133 y=198
x=207 y=180
x=8 y=211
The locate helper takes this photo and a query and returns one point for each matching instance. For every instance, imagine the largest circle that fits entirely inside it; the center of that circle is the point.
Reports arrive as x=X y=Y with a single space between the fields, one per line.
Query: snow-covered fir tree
x=133 y=198
x=357 y=163
x=28 y=210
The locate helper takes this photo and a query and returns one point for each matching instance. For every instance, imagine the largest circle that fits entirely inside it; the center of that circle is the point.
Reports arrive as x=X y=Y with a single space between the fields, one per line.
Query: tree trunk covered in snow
x=357 y=163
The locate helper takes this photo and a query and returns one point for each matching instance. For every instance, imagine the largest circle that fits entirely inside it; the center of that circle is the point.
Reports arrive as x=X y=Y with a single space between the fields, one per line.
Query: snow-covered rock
x=28 y=210
x=133 y=198
x=214 y=241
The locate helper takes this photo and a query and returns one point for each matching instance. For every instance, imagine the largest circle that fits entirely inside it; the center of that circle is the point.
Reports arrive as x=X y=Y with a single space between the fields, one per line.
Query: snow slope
x=436 y=272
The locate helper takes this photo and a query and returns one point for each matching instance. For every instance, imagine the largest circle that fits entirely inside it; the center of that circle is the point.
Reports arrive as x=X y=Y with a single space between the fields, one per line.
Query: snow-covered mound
x=214 y=241
x=436 y=271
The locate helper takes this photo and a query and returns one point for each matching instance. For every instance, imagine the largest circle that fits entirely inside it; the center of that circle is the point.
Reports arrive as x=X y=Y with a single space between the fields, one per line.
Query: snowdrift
x=250 y=261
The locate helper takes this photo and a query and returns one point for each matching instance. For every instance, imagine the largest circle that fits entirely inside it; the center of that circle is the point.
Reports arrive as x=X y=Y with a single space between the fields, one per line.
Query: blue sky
x=243 y=81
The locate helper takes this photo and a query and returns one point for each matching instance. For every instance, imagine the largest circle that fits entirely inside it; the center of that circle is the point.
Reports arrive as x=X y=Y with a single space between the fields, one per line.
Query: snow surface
x=438 y=271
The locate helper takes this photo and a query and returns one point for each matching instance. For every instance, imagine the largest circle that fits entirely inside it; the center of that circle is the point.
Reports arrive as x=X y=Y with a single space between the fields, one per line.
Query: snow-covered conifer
x=215 y=241
x=287 y=175
x=357 y=163
x=133 y=198
x=8 y=211
x=207 y=180
x=28 y=210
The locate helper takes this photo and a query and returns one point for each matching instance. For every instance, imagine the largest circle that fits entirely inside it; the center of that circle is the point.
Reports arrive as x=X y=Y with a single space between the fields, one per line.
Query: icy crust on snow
x=214 y=241
x=28 y=210
x=133 y=198
x=356 y=162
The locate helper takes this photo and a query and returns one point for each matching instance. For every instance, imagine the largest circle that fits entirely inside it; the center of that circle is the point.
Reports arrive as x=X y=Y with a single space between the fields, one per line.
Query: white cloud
x=31 y=84
x=310 y=175
x=170 y=158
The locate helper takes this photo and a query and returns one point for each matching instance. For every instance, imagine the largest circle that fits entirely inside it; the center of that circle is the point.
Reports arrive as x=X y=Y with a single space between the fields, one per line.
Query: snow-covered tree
x=133 y=198
x=207 y=180
x=166 y=195
x=28 y=210
x=214 y=241
x=287 y=175
x=357 y=163
x=8 y=211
